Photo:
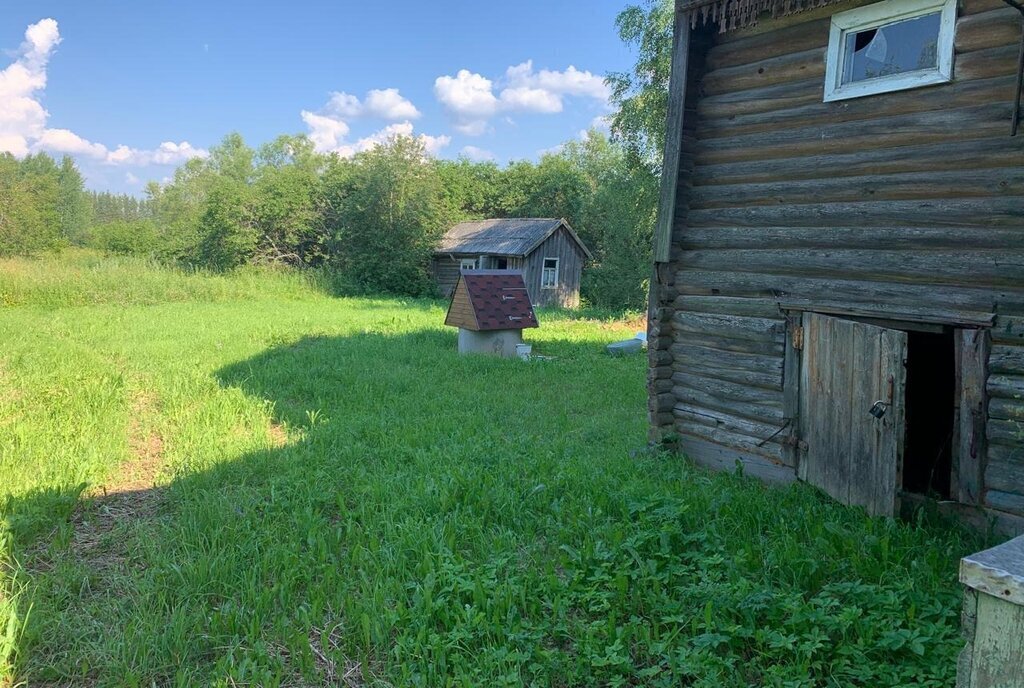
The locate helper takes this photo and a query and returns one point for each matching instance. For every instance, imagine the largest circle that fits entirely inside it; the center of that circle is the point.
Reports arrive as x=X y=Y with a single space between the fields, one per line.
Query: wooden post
x=993 y=618
x=972 y=349
x=673 y=135
x=659 y=307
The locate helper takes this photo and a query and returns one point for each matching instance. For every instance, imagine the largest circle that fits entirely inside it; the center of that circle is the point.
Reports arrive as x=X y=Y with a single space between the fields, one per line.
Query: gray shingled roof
x=503 y=237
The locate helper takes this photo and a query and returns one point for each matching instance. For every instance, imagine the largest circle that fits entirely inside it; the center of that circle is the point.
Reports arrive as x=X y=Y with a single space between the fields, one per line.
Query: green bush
x=126 y=238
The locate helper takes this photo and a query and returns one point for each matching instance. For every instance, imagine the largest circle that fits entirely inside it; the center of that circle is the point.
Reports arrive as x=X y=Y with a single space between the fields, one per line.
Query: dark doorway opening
x=930 y=413
x=499 y=263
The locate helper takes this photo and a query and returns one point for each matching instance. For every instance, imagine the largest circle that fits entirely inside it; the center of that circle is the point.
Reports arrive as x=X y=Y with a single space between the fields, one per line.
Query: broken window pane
x=905 y=46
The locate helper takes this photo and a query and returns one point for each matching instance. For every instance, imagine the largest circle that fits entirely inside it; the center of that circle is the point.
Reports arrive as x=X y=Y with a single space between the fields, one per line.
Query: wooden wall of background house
x=559 y=245
x=906 y=205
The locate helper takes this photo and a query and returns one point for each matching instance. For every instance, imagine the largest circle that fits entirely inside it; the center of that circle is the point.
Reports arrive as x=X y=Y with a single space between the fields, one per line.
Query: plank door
x=846 y=367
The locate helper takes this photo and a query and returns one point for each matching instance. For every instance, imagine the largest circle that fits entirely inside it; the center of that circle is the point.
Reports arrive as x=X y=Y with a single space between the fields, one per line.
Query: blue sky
x=132 y=88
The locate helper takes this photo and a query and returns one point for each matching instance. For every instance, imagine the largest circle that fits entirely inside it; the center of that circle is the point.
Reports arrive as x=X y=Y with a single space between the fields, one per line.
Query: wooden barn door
x=850 y=453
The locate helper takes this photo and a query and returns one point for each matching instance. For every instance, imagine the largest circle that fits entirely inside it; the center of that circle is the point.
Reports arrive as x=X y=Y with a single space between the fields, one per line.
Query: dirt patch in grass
x=277 y=434
x=146 y=445
x=127 y=497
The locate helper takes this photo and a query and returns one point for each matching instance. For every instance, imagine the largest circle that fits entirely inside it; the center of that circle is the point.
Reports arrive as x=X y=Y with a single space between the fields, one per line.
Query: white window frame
x=471 y=262
x=544 y=269
x=876 y=16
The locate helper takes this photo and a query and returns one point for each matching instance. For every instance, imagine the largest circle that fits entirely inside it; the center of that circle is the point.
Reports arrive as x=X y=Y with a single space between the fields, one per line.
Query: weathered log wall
x=906 y=205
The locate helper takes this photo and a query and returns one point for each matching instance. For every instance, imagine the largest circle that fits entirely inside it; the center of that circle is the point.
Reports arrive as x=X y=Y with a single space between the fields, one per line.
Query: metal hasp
x=993 y=618
x=1020 y=69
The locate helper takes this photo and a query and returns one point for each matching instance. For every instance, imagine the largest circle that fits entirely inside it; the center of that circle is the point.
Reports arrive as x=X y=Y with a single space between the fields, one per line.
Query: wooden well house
x=838 y=289
x=491 y=308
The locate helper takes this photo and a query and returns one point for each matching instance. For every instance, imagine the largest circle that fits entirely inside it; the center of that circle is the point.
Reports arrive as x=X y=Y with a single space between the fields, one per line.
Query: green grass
x=340 y=497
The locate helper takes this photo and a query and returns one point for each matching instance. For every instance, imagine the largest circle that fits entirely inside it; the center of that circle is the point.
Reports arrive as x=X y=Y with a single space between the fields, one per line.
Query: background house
x=546 y=250
x=838 y=293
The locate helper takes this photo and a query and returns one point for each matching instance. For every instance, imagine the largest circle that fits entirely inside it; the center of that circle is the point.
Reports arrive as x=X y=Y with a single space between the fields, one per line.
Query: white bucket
x=523 y=351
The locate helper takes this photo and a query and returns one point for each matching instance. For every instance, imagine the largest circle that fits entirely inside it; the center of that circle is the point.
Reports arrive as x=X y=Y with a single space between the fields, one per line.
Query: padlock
x=878 y=409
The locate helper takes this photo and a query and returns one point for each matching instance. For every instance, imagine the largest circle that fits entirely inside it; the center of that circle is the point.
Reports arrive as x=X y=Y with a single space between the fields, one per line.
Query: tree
x=232 y=159
x=285 y=203
x=642 y=94
x=29 y=222
x=470 y=189
x=227 y=238
x=619 y=217
x=73 y=208
x=392 y=219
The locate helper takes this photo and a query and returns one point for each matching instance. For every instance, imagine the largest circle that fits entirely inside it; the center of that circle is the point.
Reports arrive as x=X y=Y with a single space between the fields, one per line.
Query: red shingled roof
x=491 y=300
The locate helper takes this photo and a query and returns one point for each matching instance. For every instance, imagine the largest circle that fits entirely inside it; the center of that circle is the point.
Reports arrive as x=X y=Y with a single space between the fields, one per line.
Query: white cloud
x=476 y=154
x=131 y=179
x=432 y=144
x=329 y=128
x=524 y=98
x=325 y=132
x=383 y=103
x=388 y=103
x=572 y=81
x=66 y=141
x=23 y=118
x=470 y=98
x=167 y=153
x=467 y=94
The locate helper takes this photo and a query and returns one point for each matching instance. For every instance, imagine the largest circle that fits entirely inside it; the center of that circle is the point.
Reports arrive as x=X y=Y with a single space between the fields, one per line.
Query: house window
x=890 y=46
x=467 y=264
x=549 y=276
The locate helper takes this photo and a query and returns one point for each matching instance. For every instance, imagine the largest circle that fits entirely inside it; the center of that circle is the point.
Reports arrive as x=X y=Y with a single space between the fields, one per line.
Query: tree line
x=373 y=220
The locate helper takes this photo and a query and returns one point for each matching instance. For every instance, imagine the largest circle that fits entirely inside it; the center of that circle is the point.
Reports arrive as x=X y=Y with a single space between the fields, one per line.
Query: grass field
x=242 y=480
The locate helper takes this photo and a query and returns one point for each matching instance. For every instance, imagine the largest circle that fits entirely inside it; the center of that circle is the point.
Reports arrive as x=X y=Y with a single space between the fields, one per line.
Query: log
x=1006 y=454
x=775 y=98
x=880 y=237
x=758 y=308
x=982 y=183
x=723 y=458
x=949 y=212
x=839 y=137
x=731 y=395
x=784 y=41
x=990 y=29
x=807 y=64
x=1006 y=409
x=732 y=326
x=688 y=356
x=964 y=267
x=966 y=153
x=759 y=432
x=720 y=436
x=1005 y=501
x=965 y=93
x=709 y=393
x=984 y=64
x=1008 y=432
x=1008 y=329
x=742 y=376
x=1005 y=476
x=944 y=303
x=1007 y=359
x=1006 y=386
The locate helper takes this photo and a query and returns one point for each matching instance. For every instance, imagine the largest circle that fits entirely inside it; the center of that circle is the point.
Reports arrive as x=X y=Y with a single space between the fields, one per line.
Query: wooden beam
x=969 y=453
x=673 y=136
